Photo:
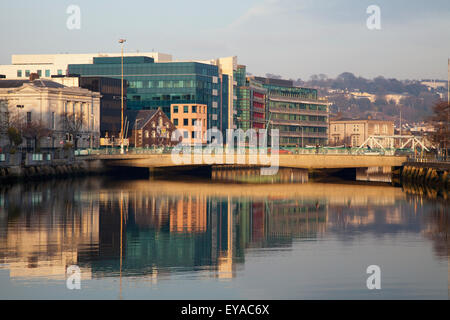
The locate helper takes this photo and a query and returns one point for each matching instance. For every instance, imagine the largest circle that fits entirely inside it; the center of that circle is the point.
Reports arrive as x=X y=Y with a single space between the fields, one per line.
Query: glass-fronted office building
x=251 y=102
x=299 y=115
x=151 y=85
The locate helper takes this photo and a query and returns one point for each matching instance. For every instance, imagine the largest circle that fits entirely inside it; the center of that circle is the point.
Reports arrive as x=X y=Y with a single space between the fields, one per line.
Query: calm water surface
x=143 y=239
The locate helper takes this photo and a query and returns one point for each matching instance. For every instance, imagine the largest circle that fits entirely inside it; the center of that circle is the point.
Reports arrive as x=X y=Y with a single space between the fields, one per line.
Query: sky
x=291 y=38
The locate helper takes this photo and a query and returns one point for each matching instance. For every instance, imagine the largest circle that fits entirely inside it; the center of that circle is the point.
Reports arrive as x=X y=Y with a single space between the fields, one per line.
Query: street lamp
x=121 y=41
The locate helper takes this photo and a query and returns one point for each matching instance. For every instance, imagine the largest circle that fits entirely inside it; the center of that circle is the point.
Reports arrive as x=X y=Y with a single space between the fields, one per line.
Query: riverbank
x=41 y=166
x=436 y=174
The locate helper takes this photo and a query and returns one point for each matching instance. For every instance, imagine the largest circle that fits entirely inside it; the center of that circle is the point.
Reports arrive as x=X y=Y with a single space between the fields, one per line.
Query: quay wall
x=436 y=174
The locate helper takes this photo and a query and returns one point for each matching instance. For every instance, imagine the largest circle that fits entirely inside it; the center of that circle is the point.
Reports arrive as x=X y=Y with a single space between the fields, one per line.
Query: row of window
x=194 y=109
x=160 y=135
x=297 y=106
x=27 y=73
x=298 y=141
x=300 y=129
x=292 y=92
x=298 y=117
x=194 y=122
x=142 y=84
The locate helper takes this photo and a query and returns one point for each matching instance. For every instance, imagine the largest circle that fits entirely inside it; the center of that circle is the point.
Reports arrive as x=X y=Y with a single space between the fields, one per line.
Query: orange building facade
x=191 y=120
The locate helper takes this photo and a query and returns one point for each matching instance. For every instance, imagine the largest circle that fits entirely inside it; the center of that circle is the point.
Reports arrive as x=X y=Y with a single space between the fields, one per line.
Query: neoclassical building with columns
x=51 y=105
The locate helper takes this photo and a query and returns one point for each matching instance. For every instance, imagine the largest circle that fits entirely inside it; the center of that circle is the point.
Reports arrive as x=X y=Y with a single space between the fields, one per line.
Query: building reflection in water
x=374 y=174
x=155 y=228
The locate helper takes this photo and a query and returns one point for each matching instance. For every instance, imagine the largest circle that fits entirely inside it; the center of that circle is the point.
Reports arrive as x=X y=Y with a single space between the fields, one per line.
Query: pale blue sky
x=293 y=38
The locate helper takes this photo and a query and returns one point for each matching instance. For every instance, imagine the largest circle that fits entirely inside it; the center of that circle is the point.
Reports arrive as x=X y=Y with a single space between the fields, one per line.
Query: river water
x=203 y=239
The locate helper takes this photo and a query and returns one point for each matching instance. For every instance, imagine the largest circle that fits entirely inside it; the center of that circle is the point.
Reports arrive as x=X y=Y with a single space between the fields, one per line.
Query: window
x=19 y=73
x=175 y=122
x=185 y=122
x=153 y=124
x=53 y=121
x=147 y=134
x=27 y=73
x=47 y=73
x=28 y=117
x=39 y=72
x=194 y=121
x=377 y=128
x=60 y=72
x=175 y=109
x=153 y=134
x=186 y=109
x=193 y=134
x=194 y=109
x=185 y=134
x=160 y=120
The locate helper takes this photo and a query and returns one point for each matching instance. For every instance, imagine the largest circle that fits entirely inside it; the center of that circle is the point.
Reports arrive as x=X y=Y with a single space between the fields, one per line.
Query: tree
x=440 y=120
x=73 y=124
x=35 y=130
x=15 y=138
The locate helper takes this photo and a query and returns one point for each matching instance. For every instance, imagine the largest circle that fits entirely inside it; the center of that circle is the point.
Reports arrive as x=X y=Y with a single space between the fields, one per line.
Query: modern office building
x=191 y=120
x=66 y=115
x=250 y=103
x=158 y=85
x=110 y=100
x=299 y=115
x=47 y=65
x=227 y=68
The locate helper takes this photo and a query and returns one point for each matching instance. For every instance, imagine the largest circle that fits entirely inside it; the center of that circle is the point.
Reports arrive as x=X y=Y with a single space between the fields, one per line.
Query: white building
x=46 y=65
x=50 y=105
x=227 y=65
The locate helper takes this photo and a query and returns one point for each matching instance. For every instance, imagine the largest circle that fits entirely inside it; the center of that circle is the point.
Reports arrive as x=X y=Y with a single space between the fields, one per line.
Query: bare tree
x=36 y=130
x=440 y=120
x=73 y=124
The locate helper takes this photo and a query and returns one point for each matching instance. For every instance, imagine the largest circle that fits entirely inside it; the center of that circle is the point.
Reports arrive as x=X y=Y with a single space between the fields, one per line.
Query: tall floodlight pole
x=448 y=109
x=121 y=41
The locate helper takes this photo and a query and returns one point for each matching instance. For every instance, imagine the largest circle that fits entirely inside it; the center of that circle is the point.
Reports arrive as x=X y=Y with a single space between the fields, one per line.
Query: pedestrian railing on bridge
x=282 y=150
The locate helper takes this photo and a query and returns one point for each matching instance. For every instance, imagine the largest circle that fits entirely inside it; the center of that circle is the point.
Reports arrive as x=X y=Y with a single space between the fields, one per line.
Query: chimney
x=34 y=76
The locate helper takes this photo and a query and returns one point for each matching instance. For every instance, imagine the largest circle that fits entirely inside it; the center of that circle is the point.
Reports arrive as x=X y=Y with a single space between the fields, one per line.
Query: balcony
x=300 y=123
x=258 y=99
x=299 y=111
x=259 y=110
x=304 y=135
x=320 y=101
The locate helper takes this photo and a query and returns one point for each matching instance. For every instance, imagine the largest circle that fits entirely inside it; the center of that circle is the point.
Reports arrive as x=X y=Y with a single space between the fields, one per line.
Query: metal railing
x=281 y=150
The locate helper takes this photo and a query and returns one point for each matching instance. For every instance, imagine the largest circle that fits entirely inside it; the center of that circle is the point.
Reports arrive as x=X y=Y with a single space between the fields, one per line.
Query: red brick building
x=149 y=128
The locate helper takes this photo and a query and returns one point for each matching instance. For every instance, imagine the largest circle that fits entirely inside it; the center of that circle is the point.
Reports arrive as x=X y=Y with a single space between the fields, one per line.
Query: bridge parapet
x=305 y=161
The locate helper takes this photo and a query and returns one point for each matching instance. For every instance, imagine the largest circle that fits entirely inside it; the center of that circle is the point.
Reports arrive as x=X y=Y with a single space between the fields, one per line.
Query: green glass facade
x=151 y=85
x=298 y=114
x=251 y=102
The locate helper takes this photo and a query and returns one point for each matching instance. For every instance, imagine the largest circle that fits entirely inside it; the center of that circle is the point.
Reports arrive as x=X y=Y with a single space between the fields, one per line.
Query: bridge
x=302 y=161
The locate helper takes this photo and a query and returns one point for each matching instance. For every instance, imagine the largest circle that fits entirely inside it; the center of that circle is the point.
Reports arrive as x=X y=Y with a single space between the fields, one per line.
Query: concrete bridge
x=303 y=161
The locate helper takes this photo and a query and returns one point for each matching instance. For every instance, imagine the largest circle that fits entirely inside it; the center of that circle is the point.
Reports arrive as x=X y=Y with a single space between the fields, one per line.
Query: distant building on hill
x=353 y=132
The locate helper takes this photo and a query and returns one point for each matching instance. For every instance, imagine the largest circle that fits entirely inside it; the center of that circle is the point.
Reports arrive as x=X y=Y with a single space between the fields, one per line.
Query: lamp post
x=121 y=41
x=448 y=110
